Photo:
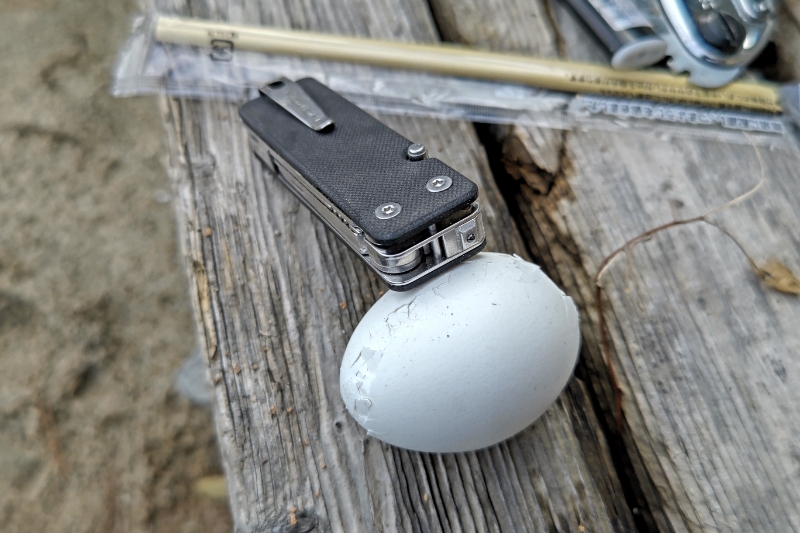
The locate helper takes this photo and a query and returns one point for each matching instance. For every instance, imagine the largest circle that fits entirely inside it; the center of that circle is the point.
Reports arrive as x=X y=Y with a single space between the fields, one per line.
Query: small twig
x=605 y=343
x=47 y=422
x=109 y=524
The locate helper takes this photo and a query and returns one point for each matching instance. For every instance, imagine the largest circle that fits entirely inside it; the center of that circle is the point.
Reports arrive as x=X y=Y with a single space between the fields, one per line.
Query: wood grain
x=276 y=298
x=706 y=355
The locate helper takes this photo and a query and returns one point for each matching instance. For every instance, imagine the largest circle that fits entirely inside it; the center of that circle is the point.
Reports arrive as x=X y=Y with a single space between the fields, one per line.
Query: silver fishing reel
x=711 y=40
x=714 y=40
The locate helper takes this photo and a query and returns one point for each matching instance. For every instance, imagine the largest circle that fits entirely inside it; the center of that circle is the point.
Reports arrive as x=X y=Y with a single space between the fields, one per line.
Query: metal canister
x=624 y=31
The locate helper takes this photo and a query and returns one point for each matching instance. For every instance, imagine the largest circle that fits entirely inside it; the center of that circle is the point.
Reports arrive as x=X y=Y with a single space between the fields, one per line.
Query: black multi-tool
x=407 y=216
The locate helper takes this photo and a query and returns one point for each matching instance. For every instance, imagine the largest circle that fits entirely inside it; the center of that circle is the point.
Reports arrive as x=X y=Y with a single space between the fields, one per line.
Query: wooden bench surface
x=707 y=358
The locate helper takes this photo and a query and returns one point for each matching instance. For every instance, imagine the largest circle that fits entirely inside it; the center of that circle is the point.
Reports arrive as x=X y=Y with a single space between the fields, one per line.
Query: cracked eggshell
x=463 y=361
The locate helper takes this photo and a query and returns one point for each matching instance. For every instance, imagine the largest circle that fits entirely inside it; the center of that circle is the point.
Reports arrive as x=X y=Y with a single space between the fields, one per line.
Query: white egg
x=465 y=360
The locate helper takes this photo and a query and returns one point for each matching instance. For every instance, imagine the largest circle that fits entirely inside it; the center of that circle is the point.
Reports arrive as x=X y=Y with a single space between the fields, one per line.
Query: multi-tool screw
x=389 y=210
x=417 y=152
x=439 y=183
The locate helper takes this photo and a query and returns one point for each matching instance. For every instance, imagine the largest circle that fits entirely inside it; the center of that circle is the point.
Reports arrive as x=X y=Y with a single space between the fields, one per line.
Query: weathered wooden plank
x=277 y=296
x=294 y=293
x=787 y=43
x=705 y=354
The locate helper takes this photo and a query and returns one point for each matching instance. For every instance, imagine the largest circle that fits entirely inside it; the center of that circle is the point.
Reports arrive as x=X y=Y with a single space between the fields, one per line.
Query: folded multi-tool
x=407 y=217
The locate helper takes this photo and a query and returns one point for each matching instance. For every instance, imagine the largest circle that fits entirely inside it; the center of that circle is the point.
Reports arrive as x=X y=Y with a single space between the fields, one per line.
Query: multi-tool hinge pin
x=417 y=152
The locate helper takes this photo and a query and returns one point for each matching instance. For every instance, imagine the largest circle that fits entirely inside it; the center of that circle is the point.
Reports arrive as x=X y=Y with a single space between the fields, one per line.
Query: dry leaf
x=778 y=276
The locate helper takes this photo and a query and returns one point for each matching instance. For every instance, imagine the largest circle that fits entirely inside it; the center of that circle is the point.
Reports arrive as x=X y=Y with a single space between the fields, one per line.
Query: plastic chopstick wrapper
x=218 y=65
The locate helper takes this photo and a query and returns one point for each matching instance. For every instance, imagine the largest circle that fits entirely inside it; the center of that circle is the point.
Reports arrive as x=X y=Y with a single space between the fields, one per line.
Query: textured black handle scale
x=360 y=165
